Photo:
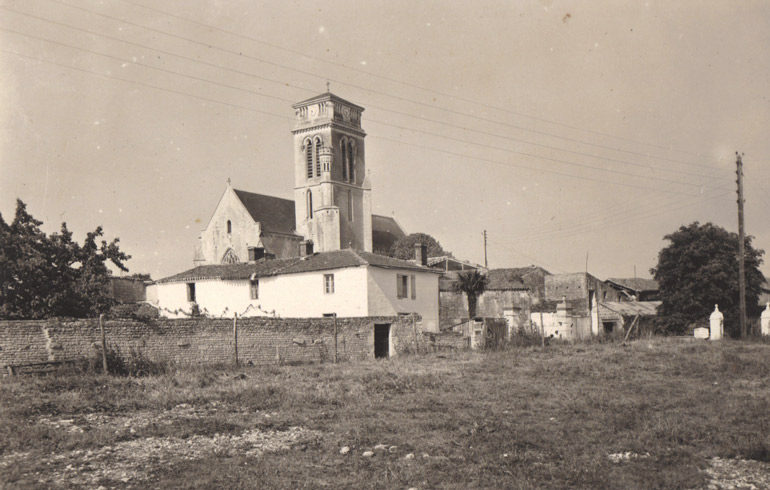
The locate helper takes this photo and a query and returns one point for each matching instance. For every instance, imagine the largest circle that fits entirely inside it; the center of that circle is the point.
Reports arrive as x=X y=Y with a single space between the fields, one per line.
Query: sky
x=577 y=134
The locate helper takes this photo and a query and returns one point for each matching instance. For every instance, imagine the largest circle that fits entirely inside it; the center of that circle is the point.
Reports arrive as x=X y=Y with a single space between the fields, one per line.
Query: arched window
x=309 y=205
x=309 y=158
x=318 y=144
x=229 y=227
x=344 y=157
x=351 y=162
x=229 y=257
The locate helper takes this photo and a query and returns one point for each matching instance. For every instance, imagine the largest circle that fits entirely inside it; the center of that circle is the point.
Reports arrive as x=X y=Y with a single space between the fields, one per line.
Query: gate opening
x=381 y=340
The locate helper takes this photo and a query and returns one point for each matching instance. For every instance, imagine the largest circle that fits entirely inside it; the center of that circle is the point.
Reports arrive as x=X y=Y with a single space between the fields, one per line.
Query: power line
x=565 y=162
x=281 y=83
x=407 y=84
x=326 y=78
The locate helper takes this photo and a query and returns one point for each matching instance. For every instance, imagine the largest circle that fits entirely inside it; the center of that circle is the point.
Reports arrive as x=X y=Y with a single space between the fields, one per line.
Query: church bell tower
x=332 y=194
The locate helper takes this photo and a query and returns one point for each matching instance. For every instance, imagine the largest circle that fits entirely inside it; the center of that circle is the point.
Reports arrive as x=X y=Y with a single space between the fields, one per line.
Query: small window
x=254 y=286
x=309 y=204
x=328 y=283
x=402 y=285
x=191 y=292
x=414 y=289
x=229 y=227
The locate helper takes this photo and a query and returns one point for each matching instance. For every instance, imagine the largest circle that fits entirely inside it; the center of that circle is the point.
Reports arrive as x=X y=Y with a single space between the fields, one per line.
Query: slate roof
x=636 y=283
x=339 y=259
x=273 y=213
x=632 y=308
x=277 y=214
x=385 y=232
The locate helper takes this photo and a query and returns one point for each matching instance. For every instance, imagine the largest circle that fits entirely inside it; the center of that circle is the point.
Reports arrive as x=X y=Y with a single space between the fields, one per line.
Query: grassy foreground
x=647 y=415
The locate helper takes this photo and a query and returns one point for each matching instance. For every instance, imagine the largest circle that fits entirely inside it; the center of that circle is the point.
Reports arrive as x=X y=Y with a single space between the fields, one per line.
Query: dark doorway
x=608 y=327
x=381 y=340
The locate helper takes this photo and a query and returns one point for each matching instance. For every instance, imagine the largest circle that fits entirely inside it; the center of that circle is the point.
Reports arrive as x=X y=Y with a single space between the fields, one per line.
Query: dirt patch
x=133 y=460
x=738 y=474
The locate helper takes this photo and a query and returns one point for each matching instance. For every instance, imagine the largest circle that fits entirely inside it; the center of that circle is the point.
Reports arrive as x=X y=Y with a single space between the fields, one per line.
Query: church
x=323 y=252
x=332 y=196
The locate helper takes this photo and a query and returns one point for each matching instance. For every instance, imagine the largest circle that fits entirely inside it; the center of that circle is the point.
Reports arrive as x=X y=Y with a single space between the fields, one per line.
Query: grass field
x=664 y=413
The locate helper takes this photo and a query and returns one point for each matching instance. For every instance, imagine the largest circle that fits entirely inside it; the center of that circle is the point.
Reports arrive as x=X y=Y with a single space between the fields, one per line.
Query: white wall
x=303 y=295
x=383 y=298
x=245 y=231
x=559 y=326
x=358 y=291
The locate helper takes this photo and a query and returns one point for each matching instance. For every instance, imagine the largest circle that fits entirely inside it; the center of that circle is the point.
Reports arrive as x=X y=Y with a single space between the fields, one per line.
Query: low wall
x=209 y=341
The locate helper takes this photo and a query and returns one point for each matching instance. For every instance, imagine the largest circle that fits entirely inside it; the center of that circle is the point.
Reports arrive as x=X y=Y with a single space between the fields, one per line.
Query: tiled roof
x=636 y=283
x=632 y=308
x=243 y=270
x=273 y=213
x=339 y=259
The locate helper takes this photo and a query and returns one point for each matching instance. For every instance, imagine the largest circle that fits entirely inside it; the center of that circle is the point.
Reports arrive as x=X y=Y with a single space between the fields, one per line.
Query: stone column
x=717 y=320
x=765 y=321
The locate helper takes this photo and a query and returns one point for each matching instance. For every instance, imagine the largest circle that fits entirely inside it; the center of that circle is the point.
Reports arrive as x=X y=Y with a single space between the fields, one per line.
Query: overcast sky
x=568 y=130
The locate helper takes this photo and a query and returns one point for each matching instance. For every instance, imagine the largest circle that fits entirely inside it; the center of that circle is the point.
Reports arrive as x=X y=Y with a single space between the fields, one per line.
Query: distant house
x=346 y=282
x=635 y=289
x=507 y=295
x=617 y=317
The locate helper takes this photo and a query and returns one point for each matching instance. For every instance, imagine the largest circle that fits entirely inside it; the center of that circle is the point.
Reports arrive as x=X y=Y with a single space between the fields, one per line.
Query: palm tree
x=472 y=283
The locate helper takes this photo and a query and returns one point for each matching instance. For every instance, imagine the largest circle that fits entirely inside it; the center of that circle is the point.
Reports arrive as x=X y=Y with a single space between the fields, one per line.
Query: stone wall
x=453 y=306
x=208 y=341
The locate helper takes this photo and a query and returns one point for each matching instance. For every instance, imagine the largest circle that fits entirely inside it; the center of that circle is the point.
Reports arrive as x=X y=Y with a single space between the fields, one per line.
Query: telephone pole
x=741 y=246
x=486 y=266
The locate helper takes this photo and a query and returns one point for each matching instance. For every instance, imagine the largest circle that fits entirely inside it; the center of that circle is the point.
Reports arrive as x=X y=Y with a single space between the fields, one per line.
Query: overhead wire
x=285 y=84
x=125 y=60
x=395 y=80
x=314 y=75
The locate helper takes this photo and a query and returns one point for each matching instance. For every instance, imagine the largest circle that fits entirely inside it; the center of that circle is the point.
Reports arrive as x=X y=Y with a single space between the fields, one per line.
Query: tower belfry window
x=309 y=158
x=351 y=163
x=344 y=154
x=309 y=205
x=318 y=157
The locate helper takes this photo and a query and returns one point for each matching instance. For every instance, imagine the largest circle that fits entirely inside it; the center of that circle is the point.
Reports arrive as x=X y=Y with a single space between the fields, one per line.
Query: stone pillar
x=717 y=321
x=765 y=320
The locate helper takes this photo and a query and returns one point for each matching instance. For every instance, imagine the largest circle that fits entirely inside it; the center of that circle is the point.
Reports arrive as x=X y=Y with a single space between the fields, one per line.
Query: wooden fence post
x=235 y=337
x=542 y=331
x=414 y=327
x=104 y=343
x=335 y=338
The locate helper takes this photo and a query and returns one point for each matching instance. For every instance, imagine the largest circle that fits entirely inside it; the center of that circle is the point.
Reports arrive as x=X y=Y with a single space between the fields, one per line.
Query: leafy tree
x=403 y=248
x=472 y=283
x=44 y=276
x=699 y=269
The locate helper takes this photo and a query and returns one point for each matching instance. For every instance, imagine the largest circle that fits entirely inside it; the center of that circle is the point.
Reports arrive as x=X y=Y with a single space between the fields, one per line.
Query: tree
x=699 y=269
x=403 y=248
x=472 y=283
x=44 y=276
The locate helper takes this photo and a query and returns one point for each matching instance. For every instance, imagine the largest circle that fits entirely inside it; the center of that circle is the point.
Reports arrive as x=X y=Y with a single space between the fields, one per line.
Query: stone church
x=332 y=207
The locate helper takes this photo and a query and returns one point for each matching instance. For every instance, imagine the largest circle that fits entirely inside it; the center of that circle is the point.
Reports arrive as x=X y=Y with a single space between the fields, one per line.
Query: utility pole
x=741 y=246
x=486 y=266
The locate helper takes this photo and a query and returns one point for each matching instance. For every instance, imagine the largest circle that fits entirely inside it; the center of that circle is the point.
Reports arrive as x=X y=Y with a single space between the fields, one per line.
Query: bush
x=133 y=364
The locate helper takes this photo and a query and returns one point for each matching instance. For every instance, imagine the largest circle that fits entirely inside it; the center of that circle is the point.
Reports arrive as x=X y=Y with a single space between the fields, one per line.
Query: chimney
x=256 y=253
x=421 y=254
x=305 y=248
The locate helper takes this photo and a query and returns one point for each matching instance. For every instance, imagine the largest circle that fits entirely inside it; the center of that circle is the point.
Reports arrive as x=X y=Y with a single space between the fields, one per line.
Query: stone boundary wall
x=210 y=341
